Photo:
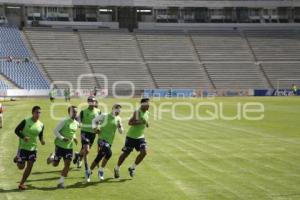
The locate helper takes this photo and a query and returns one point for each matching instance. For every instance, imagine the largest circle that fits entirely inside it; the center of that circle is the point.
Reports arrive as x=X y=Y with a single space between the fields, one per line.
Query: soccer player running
x=87 y=134
x=52 y=95
x=106 y=125
x=28 y=131
x=294 y=89
x=65 y=134
x=135 y=138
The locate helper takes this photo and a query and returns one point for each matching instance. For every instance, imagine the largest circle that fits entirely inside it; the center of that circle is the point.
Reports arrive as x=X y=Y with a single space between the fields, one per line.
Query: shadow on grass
x=54 y=171
x=46 y=172
x=77 y=185
x=9 y=190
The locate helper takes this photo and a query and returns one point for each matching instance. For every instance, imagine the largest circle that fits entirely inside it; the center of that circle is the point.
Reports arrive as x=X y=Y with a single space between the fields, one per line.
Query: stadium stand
x=25 y=74
x=216 y=45
x=68 y=71
x=110 y=45
x=274 y=45
x=179 y=75
x=12 y=43
x=4 y=85
x=235 y=75
x=168 y=59
x=165 y=46
x=54 y=44
x=283 y=70
x=121 y=71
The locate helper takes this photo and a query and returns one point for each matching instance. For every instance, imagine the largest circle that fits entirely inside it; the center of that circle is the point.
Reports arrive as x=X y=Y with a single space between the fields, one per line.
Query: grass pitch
x=187 y=160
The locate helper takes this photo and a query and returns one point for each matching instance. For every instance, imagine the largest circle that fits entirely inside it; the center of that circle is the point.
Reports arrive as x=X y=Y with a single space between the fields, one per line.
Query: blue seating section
x=3 y=85
x=11 y=43
x=25 y=75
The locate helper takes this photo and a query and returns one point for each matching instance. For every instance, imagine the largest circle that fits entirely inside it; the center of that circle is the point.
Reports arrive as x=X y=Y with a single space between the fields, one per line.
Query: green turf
x=191 y=159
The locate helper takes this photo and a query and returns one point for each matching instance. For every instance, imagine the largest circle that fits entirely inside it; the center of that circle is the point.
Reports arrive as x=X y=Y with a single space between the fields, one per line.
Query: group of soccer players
x=91 y=122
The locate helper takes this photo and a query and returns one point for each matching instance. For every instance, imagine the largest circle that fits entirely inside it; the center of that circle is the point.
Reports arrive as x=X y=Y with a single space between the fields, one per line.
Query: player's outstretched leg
x=138 y=160
x=26 y=173
x=64 y=174
x=122 y=158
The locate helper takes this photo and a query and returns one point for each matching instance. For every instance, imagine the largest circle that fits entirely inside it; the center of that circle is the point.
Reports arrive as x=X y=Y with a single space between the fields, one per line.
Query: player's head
x=36 y=112
x=116 y=109
x=91 y=101
x=145 y=103
x=72 y=110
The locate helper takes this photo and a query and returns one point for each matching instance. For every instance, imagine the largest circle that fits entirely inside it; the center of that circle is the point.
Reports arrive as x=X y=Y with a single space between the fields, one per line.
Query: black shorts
x=137 y=144
x=66 y=154
x=25 y=155
x=87 y=138
x=104 y=149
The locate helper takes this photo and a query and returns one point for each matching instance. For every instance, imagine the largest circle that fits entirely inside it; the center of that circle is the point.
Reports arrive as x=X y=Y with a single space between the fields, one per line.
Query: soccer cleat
x=117 y=173
x=131 y=171
x=101 y=175
x=16 y=159
x=50 y=158
x=76 y=158
x=22 y=187
x=61 y=185
x=88 y=174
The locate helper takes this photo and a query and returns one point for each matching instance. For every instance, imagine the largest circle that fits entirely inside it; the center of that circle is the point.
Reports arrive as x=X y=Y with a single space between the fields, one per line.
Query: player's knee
x=108 y=154
x=98 y=158
x=86 y=149
x=144 y=152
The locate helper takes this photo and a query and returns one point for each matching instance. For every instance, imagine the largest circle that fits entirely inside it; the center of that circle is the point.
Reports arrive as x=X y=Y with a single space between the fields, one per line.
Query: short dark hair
x=71 y=107
x=35 y=108
x=145 y=100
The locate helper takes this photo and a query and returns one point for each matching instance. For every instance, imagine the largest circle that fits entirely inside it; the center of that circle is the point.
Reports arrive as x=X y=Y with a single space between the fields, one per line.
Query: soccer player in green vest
x=67 y=94
x=87 y=134
x=294 y=89
x=106 y=125
x=28 y=131
x=135 y=138
x=52 y=95
x=65 y=136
